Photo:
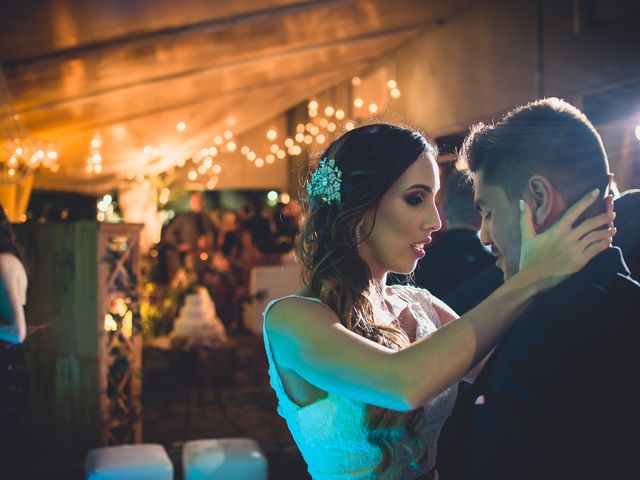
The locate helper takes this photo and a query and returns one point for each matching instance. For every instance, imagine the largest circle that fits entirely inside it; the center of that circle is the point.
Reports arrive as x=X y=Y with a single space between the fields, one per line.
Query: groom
x=558 y=397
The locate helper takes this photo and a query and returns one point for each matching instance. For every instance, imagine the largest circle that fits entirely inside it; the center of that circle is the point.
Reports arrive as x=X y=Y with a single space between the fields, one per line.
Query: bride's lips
x=418 y=247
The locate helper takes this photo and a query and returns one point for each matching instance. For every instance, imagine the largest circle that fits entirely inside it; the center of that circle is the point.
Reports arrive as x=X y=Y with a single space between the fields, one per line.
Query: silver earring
x=358 y=237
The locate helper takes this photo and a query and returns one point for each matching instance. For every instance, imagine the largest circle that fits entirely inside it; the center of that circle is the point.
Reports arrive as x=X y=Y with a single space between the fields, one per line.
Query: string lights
x=321 y=124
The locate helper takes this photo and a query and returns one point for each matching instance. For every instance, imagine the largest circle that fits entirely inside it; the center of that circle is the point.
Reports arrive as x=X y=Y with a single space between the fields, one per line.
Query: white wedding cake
x=198 y=321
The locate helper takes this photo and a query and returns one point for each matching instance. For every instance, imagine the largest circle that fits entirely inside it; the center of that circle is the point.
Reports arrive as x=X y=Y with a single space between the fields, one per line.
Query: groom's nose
x=485 y=238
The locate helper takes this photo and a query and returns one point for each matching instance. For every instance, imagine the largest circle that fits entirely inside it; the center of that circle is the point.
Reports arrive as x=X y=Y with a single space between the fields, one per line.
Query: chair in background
x=126 y=462
x=222 y=459
x=265 y=284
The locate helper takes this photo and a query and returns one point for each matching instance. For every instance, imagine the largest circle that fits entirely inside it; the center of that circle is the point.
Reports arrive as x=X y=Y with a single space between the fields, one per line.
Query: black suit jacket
x=558 y=398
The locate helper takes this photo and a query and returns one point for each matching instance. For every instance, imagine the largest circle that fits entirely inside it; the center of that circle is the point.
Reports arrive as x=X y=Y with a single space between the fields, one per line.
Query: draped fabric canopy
x=127 y=71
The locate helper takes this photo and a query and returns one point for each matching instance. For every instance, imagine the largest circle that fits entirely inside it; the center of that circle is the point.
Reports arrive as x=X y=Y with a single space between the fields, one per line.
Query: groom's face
x=500 y=224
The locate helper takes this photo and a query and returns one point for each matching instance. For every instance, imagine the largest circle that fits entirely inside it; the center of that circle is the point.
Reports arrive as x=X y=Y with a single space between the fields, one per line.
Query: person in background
x=189 y=235
x=627 y=208
x=14 y=380
x=458 y=254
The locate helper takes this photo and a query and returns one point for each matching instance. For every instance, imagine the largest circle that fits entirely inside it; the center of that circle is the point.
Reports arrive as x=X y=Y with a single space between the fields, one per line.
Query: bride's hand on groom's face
x=563 y=249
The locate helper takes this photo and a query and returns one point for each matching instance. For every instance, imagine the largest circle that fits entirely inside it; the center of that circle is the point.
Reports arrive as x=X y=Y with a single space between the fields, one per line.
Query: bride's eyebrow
x=421 y=186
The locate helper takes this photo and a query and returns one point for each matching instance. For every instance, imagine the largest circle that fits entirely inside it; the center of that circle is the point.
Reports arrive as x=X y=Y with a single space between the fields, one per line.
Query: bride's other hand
x=563 y=249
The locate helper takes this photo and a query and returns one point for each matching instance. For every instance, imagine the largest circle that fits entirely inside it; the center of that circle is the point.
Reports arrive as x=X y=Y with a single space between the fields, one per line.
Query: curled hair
x=371 y=159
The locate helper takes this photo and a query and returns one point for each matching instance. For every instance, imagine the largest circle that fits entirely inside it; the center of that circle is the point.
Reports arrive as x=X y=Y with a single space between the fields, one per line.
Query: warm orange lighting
x=110 y=324
x=181 y=126
x=358 y=102
x=395 y=93
x=259 y=162
x=127 y=324
x=313 y=105
x=328 y=111
x=204 y=256
x=391 y=84
x=373 y=108
x=339 y=114
x=355 y=81
x=272 y=135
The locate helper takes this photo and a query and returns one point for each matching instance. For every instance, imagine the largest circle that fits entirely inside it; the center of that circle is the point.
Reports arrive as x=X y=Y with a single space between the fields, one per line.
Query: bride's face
x=403 y=222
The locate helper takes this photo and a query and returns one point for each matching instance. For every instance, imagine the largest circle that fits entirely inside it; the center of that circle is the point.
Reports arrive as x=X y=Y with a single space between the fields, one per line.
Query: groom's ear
x=544 y=199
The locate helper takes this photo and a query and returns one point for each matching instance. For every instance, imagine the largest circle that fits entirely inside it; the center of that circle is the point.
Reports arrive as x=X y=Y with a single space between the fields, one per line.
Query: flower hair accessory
x=325 y=182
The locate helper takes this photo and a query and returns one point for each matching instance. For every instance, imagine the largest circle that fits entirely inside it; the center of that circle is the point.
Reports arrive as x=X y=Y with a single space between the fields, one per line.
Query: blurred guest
x=286 y=226
x=458 y=254
x=260 y=227
x=14 y=382
x=627 y=208
x=191 y=235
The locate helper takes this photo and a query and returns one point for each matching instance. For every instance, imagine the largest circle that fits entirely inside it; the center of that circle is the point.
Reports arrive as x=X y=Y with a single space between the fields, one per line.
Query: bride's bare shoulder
x=298 y=312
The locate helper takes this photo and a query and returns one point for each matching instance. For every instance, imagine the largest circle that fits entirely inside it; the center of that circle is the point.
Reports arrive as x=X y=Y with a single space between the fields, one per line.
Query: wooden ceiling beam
x=142 y=39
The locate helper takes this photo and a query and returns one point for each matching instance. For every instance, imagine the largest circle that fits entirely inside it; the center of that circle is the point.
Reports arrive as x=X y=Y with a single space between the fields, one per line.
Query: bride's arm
x=307 y=337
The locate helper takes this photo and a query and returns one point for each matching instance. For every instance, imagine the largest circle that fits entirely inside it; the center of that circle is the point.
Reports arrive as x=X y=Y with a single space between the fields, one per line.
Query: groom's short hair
x=547 y=137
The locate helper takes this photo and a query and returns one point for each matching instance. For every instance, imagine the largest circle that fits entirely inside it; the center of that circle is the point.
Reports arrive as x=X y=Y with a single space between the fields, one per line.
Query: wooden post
x=86 y=381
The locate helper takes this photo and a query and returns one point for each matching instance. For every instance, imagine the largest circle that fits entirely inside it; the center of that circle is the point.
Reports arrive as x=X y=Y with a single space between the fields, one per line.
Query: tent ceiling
x=129 y=70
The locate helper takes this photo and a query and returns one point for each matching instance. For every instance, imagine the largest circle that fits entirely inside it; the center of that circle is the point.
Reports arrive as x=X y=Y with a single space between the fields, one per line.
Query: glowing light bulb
x=358 y=102
x=181 y=126
x=373 y=108
x=313 y=105
x=272 y=135
x=391 y=84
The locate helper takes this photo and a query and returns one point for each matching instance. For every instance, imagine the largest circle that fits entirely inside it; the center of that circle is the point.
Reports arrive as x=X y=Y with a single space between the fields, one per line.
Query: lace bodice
x=331 y=432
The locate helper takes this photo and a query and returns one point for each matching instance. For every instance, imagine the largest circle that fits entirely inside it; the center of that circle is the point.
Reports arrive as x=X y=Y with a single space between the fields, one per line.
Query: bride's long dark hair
x=371 y=159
